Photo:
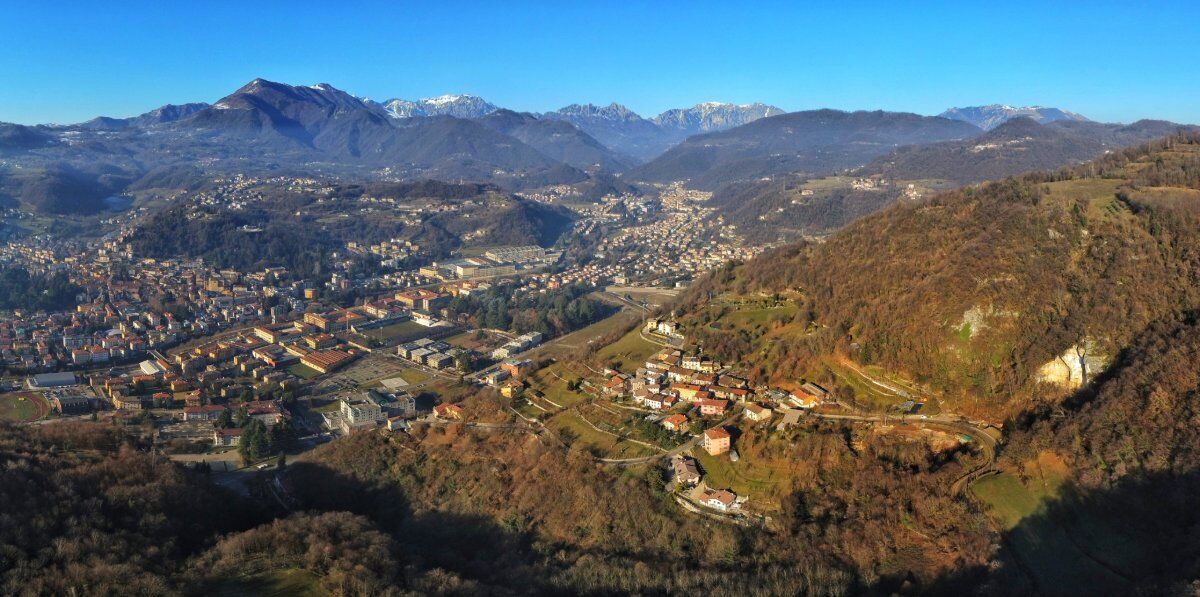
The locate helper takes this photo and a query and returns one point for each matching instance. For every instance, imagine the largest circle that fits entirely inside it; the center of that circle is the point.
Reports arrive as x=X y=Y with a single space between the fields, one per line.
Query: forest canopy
x=21 y=290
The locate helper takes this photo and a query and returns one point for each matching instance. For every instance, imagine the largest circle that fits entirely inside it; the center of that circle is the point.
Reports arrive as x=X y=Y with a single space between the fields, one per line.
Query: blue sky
x=1113 y=61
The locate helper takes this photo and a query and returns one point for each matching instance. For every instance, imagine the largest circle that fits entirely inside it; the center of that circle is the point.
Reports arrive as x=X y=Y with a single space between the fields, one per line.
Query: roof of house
x=716 y=433
x=325 y=358
x=209 y=408
x=724 y=496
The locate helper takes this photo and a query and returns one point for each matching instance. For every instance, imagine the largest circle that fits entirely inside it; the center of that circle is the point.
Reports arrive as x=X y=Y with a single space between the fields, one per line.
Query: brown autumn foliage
x=508 y=509
x=86 y=513
x=1097 y=252
x=348 y=553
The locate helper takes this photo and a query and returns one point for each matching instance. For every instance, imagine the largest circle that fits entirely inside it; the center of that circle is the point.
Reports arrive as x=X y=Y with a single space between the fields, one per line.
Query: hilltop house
x=452 y=412
x=676 y=422
x=720 y=499
x=716 y=441
x=757 y=413
x=686 y=471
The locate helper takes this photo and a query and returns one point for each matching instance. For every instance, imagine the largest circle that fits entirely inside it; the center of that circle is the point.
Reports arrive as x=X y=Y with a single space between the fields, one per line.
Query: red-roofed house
x=675 y=422
x=713 y=408
x=716 y=441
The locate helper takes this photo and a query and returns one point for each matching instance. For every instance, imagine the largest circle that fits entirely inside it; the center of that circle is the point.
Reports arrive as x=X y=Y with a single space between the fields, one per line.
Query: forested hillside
x=777 y=209
x=1019 y=145
x=975 y=291
x=816 y=141
x=465 y=511
x=511 y=511
x=21 y=290
x=299 y=230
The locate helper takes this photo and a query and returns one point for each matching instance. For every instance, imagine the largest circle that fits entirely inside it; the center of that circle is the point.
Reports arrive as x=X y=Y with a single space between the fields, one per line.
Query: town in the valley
x=243 y=366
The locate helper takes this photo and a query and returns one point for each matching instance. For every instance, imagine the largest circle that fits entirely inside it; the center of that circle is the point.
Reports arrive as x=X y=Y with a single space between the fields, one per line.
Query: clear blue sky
x=1113 y=61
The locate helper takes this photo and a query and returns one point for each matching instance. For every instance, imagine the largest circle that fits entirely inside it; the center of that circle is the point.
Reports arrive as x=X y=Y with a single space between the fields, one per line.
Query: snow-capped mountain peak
x=613 y=111
x=714 y=116
x=993 y=115
x=459 y=106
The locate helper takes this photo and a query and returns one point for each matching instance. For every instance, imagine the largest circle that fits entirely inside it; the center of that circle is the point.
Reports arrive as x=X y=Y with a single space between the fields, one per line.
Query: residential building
x=360 y=412
x=716 y=441
x=720 y=499
x=211 y=412
x=676 y=422
x=713 y=408
x=448 y=411
x=757 y=413
x=687 y=472
x=516 y=368
x=227 y=437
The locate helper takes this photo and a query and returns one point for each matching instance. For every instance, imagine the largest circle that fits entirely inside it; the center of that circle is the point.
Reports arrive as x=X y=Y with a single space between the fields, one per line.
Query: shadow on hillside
x=1140 y=535
x=474 y=546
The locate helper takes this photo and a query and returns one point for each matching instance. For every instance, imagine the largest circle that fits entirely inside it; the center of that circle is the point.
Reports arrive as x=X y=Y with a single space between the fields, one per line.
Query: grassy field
x=403 y=330
x=303 y=371
x=585 y=336
x=21 y=407
x=555 y=390
x=327 y=407
x=828 y=183
x=279 y=583
x=631 y=349
x=1051 y=548
x=865 y=392
x=654 y=296
x=603 y=443
x=467 y=340
x=742 y=477
x=760 y=316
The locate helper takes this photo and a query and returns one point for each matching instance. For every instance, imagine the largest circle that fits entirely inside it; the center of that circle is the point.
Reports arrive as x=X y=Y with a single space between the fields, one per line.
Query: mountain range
x=167 y=113
x=812 y=141
x=266 y=126
x=993 y=115
x=458 y=106
x=1060 y=303
x=713 y=116
x=1017 y=145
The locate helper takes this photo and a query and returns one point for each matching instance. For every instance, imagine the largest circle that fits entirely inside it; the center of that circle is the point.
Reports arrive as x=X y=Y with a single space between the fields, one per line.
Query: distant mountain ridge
x=266 y=126
x=458 y=106
x=1017 y=145
x=625 y=131
x=811 y=141
x=558 y=139
x=161 y=115
x=714 y=116
x=993 y=115
x=617 y=127
x=322 y=122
